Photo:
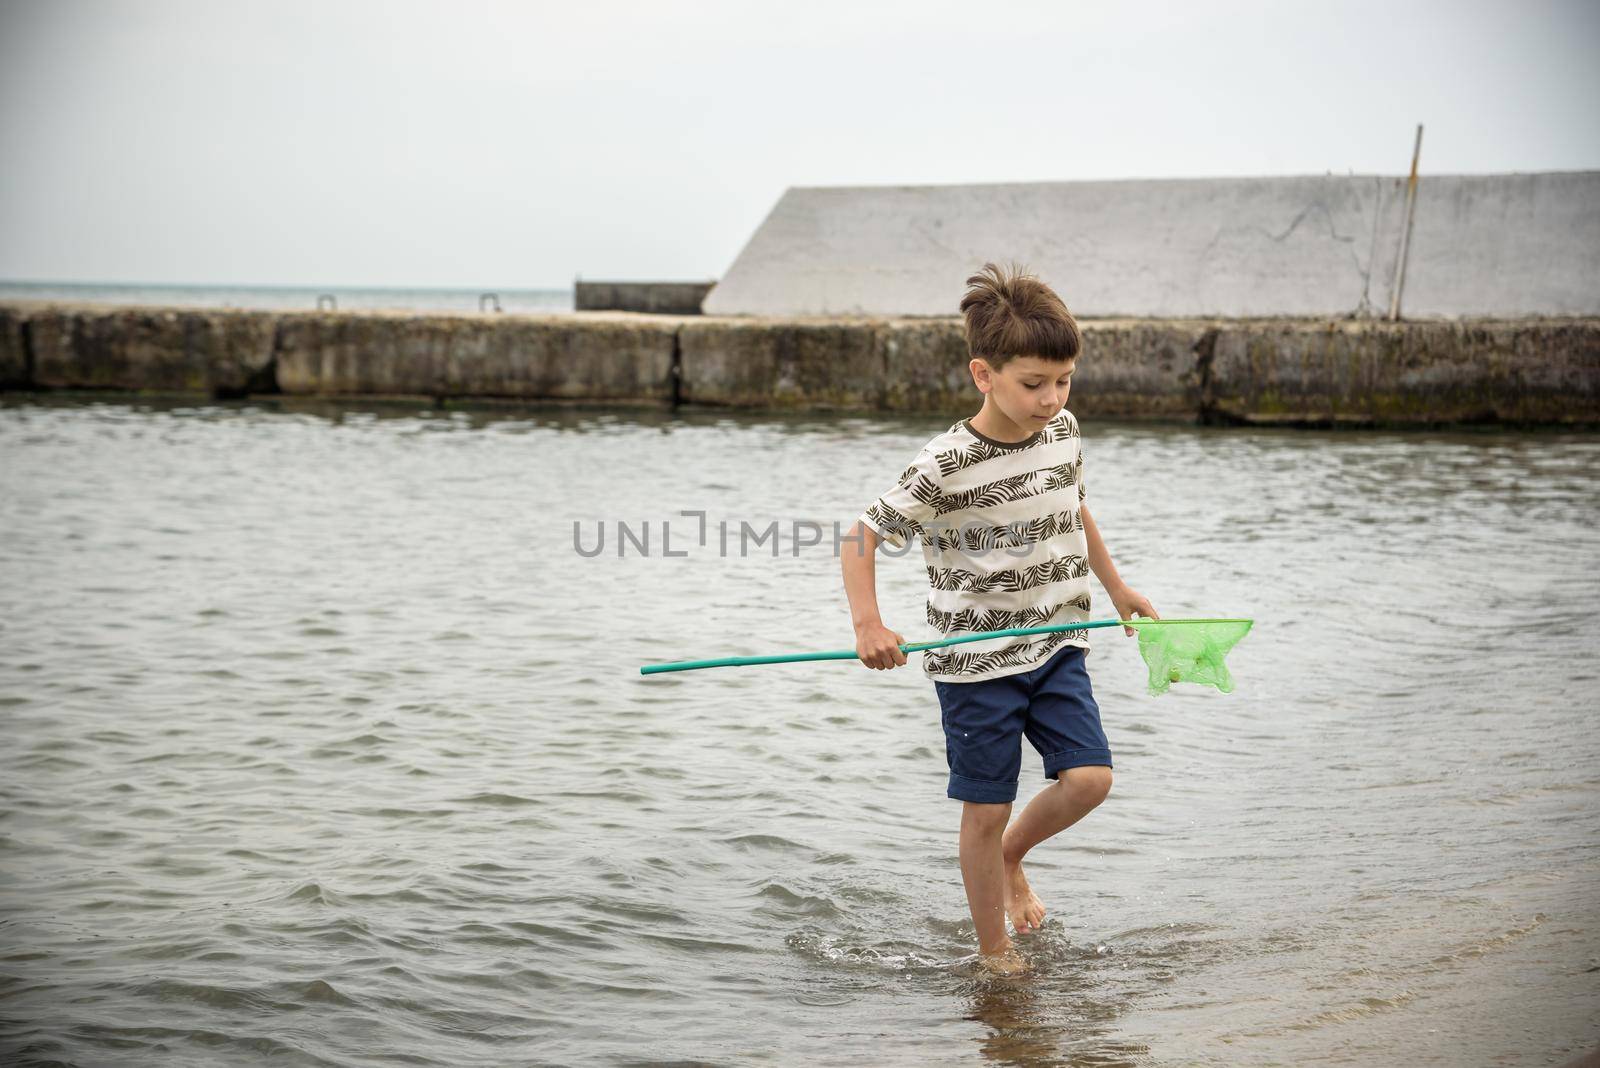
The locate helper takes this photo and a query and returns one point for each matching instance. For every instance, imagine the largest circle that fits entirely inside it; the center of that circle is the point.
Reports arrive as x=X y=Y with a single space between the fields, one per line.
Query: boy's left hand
x=1130 y=603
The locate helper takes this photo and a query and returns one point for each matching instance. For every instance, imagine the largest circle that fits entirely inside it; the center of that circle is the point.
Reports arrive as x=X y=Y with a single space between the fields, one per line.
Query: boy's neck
x=991 y=422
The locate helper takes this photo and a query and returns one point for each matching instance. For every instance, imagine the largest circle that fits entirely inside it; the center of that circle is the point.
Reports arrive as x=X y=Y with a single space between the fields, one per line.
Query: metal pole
x=1405 y=235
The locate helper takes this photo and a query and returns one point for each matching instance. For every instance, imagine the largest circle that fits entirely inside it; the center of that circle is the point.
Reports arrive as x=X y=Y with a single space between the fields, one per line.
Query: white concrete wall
x=1525 y=244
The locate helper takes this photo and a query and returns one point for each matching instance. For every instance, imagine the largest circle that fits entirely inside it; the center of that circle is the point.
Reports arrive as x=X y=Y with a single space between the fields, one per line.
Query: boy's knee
x=985 y=819
x=1091 y=783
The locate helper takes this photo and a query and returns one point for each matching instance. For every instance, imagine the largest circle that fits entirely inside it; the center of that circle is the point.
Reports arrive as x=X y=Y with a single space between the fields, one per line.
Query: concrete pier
x=1314 y=372
x=656 y=298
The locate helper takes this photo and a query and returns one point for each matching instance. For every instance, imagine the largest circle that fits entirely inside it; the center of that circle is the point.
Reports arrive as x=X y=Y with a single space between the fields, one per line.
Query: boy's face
x=1029 y=390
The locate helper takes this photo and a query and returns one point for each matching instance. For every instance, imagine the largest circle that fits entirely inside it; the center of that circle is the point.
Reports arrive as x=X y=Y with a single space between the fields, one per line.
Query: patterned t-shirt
x=1002 y=535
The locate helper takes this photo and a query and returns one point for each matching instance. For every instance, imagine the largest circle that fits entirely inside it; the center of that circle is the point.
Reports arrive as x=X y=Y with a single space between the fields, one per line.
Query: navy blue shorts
x=1052 y=705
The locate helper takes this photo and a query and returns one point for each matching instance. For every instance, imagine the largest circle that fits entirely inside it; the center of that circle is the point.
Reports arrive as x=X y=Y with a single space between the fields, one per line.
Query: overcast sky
x=516 y=145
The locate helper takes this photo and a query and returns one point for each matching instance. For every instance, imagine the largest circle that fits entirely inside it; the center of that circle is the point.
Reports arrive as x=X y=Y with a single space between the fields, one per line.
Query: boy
x=998 y=500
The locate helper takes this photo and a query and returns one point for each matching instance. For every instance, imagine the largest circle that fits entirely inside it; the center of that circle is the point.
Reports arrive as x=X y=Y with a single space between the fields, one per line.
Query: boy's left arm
x=1128 y=601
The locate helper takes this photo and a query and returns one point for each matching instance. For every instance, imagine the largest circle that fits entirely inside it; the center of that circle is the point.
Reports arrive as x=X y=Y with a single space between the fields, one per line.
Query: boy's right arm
x=876 y=645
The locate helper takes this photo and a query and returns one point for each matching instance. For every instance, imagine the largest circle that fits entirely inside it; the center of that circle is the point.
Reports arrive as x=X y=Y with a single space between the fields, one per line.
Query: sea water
x=287 y=298
x=325 y=743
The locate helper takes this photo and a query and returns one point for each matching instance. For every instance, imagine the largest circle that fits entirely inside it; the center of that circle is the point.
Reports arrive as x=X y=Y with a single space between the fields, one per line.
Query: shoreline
x=1312 y=373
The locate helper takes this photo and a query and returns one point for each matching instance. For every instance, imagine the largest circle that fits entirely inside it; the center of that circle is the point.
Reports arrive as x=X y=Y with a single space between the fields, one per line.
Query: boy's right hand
x=879 y=647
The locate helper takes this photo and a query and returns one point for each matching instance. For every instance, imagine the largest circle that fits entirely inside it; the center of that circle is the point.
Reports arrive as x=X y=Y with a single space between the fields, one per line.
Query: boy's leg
x=1073 y=795
x=983 y=873
x=1064 y=726
x=982 y=725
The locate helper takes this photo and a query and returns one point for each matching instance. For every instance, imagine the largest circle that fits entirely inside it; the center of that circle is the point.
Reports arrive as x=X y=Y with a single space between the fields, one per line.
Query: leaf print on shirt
x=955 y=460
x=888 y=518
x=970 y=621
x=988 y=495
x=1061 y=476
x=974 y=539
x=956 y=662
x=1010 y=580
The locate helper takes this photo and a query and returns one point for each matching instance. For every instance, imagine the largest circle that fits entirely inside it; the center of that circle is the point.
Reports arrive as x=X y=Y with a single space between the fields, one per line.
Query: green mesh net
x=1190 y=650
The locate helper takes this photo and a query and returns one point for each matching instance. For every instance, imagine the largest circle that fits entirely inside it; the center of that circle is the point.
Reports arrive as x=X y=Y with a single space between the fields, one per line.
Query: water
x=324 y=746
x=287 y=298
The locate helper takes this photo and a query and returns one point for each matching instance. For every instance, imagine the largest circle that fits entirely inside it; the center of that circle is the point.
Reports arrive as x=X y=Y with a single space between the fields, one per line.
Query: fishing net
x=1190 y=650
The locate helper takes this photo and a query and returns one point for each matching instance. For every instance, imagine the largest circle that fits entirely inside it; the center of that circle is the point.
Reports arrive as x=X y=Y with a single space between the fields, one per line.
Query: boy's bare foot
x=1006 y=962
x=1023 y=906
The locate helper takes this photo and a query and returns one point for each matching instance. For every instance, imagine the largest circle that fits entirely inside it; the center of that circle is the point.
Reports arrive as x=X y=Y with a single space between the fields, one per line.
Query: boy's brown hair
x=1011 y=313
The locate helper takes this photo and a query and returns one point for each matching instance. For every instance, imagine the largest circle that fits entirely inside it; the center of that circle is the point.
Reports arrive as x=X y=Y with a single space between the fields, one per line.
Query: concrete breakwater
x=1357 y=372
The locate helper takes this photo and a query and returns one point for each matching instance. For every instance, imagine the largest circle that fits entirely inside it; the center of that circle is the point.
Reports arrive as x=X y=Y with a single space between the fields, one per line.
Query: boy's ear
x=982 y=374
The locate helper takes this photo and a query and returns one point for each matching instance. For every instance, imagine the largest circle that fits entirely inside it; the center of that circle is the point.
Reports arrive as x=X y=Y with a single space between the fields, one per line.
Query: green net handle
x=917 y=647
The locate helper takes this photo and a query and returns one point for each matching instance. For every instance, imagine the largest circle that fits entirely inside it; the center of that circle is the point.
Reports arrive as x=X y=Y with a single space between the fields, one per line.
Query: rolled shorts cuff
x=981 y=791
x=1056 y=763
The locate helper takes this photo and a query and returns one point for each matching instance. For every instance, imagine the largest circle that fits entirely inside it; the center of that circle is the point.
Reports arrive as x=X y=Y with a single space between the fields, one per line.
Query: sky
x=519 y=145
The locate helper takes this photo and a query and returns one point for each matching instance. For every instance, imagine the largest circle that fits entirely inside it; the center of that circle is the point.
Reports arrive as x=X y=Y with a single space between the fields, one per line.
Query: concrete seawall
x=1310 y=372
x=1497 y=245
